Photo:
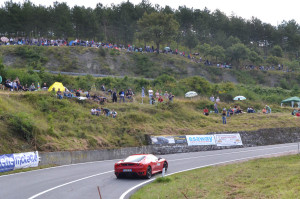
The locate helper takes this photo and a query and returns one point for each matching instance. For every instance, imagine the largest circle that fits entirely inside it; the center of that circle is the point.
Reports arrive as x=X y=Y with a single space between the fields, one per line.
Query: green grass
x=39 y=121
x=261 y=178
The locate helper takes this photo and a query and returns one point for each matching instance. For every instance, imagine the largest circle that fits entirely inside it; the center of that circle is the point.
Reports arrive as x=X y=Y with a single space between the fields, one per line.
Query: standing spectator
x=224 y=116
x=216 y=108
x=218 y=100
x=122 y=95
x=150 y=92
x=156 y=94
x=166 y=95
x=171 y=97
x=212 y=98
x=114 y=96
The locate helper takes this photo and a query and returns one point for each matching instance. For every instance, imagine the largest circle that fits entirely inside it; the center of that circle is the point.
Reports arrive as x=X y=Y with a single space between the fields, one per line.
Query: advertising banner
x=26 y=160
x=200 y=140
x=228 y=139
x=168 y=139
x=9 y=162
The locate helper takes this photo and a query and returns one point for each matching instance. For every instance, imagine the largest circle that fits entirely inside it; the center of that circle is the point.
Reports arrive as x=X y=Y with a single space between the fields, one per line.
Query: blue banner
x=7 y=162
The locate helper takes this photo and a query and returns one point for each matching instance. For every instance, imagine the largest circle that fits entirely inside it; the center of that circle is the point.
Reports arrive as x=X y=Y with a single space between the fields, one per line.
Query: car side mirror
x=159 y=158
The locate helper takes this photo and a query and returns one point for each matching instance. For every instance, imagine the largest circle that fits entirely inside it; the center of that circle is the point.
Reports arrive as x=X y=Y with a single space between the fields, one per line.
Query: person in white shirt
x=218 y=100
x=150 y=92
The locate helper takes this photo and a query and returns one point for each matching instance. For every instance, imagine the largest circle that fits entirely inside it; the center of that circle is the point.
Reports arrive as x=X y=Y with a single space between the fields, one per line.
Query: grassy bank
x=262 y=178
x=40 y=121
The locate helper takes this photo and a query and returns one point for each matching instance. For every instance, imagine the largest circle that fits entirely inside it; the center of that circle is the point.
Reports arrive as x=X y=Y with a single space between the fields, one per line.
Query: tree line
x=125 y=23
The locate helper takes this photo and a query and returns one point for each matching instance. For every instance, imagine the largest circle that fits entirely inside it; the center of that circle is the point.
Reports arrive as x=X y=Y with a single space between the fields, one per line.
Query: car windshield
x=134 y=158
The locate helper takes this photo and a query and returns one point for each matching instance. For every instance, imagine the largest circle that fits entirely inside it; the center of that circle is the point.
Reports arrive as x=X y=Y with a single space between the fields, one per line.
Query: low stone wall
x=249 y=138
x=73 y=157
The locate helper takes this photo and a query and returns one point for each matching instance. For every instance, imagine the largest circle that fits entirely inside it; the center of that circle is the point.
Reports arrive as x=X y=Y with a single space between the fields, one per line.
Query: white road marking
x=48 y=190
x=148 y=181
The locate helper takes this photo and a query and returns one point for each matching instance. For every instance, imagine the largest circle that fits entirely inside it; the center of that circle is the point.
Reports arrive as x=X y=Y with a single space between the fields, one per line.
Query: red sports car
x=143 y=165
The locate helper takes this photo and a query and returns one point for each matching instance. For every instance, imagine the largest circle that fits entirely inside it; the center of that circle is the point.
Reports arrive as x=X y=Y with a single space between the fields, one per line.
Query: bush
x=23 y=125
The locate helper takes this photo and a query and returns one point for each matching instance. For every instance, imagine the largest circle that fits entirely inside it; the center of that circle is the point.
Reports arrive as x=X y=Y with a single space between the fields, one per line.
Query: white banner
x=26 y=160
x=200 y=140
x=228 y=139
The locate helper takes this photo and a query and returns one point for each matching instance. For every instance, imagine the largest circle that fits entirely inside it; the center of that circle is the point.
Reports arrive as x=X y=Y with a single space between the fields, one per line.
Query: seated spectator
x=166 y=95
x=88 y=95
x=264 y=111
x=250 y=110
x=298 y=113
x=218 y=100
x=294 y=112
x=77 y=93
x=268 y=109
x=106 y=111
x=171 y=96
x=45 y=88
x=59 y=94
x=98 y=111
x=152 y=100
x=32 y=87
x=160 y=99
x=114 y=113
x=129 y=95
x=205 y=111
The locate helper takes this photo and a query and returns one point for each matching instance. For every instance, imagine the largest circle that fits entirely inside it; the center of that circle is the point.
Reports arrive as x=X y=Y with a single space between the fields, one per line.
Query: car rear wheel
x=149 y=173
x=166 y=166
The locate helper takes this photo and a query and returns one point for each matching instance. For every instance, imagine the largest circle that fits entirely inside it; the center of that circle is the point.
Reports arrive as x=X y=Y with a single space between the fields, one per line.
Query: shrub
x=23 y=125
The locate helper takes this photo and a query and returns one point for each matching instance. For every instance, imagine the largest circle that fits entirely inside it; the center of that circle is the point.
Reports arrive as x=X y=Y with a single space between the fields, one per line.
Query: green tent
x=291 y=100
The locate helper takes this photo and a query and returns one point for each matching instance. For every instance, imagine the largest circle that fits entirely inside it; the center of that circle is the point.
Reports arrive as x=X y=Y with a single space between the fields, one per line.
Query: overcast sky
x=269 y=11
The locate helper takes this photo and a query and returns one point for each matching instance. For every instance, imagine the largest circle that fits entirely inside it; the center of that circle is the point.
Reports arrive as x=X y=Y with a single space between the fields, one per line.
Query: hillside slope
x=123 y=63
x=40 y=121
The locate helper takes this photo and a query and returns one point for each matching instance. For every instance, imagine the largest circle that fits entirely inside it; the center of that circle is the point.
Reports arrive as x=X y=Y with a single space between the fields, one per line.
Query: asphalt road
x=81 y=180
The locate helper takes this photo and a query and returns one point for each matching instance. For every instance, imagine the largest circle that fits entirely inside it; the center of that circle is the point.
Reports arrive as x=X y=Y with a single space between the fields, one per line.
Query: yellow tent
x=56 y=86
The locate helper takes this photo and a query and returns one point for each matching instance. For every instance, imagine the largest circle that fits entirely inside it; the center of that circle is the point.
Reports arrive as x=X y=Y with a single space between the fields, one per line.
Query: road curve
x=81 y=180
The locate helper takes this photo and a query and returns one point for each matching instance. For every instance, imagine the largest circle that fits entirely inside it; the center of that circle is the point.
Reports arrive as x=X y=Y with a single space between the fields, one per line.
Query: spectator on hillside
x=156 y=94
x=224 y=116
x=114 y=96
x=218 y=100
x=77 y=93
x=160 y=99
x=106 y=111
x=114 y=114
x=44 y=88
x=88 y=95
x=166 y=95
x=129 y=94
x=298 y=113
x=93 y=111
x=216 y=108
x=205 y=111
x=122 y=95
x=212 y=98
x=98 y=111
x=264 y=110
x=152 y=100
x=150 y=92
x=268 y=109
x=171 y=96
x=294 y=112
x=32 y=87
x=59 y=94
x=103 y=88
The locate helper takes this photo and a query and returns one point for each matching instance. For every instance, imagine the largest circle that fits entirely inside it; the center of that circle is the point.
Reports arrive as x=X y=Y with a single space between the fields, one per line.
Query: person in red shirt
x=205 y=111
x=298 y=114
x=160 y=99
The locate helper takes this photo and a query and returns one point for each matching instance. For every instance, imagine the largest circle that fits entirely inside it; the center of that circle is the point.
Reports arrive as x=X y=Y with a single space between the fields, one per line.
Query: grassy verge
x=262 y=178
x=27 y=169
x=50 y=124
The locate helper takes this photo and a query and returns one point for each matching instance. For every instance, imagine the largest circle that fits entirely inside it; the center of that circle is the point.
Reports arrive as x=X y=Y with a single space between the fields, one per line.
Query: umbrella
x=191 y=94
x=4 y=39
x=239 y=98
